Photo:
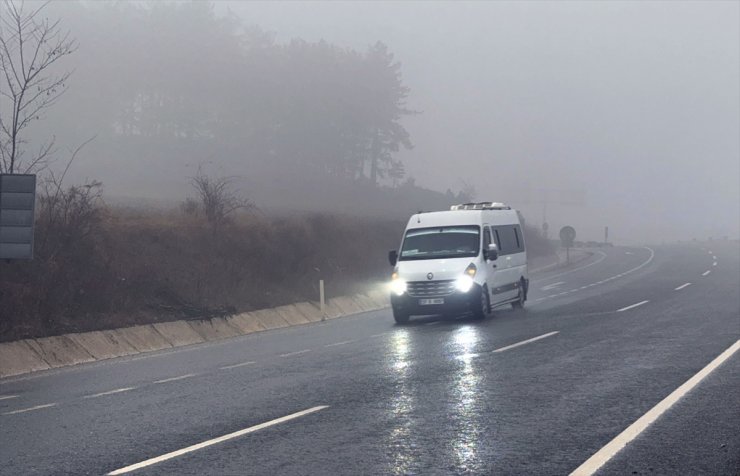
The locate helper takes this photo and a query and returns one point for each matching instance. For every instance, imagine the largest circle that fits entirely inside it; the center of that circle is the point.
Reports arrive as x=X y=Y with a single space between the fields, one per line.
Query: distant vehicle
x=471 y=258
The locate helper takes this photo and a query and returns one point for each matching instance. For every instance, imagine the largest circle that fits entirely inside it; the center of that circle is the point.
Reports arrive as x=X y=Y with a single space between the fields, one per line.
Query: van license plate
x=427 y=302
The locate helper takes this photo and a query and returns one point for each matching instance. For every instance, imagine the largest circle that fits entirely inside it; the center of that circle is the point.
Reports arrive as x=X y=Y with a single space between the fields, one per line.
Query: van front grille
x=430 y=288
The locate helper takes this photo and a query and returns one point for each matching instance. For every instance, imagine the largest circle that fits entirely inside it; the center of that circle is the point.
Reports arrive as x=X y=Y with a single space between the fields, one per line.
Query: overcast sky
x=635 y=104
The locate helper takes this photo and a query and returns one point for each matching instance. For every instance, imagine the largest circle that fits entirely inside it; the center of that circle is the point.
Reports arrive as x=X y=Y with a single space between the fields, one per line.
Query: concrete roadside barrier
x=214 y=329
x=178 y=333
x=311 y=311
x=292 y=315
x=31 y=355
x=269 y=319
x=103 y=344
x=246 y=323
x=143 y=338
x=18 y=358
x=60 y=351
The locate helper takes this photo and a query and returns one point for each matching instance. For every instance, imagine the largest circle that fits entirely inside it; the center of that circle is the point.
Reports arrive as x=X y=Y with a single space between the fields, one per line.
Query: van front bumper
x=455 y=303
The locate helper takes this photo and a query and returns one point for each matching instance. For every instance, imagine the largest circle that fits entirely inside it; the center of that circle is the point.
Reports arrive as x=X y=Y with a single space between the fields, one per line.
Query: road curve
x=539 y=391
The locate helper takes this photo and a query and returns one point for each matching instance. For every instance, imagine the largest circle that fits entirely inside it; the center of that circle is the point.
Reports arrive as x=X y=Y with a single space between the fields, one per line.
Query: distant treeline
x=174 y=82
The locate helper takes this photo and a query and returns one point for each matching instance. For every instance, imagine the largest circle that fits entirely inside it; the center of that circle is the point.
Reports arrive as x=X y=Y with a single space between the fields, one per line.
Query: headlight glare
x=464 y=283
x=398 y=286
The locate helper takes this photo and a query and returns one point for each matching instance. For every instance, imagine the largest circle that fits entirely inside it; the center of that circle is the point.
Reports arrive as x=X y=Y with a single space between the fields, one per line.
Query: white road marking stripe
x=7 y=397
x=601 y=258
x=339 y=343
x=237 y=365
x=553 y=285
x=215 y=441
x=24 y=410
x=109 y=392
x=533 y=339
x=379 y=335
x=601 y=457
x=714 y=258
x=289 y=354
x=685 y=285
x=632 y=306
x=706 y=272
x=172 y=379
x=714 y=264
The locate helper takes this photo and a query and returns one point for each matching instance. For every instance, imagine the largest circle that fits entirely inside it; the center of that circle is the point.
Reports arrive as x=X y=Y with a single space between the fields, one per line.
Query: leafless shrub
x=217 y=199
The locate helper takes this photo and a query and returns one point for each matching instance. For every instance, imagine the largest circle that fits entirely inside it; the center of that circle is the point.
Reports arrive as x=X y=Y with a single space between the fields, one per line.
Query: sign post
x=17 y=202
x=567 y=236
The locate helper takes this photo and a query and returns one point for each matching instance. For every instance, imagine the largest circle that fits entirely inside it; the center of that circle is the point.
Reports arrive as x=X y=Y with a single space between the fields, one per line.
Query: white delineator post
x=322 y=304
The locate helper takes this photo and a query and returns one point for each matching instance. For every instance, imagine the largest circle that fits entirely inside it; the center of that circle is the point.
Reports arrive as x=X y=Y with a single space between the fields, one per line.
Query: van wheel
x=400 y=317
x=484 y=306
x=519 y=303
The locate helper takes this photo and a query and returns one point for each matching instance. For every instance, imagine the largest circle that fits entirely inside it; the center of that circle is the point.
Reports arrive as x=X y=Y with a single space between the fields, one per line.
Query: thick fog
x=619 y=114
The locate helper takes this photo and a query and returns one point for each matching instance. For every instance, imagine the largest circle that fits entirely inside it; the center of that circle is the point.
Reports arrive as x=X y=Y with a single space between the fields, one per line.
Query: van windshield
x=441 y=242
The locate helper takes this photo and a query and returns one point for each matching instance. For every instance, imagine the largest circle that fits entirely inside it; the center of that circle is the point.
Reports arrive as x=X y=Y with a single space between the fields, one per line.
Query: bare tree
x=217 y=198
x=30 y=46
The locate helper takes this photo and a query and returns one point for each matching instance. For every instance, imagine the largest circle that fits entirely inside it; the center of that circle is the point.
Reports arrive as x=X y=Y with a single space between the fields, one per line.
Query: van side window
x=498 y=240
x=508 y=239
x=519 y=241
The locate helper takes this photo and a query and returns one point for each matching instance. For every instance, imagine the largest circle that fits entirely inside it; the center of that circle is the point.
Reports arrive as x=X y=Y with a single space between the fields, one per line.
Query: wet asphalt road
x=432 y=397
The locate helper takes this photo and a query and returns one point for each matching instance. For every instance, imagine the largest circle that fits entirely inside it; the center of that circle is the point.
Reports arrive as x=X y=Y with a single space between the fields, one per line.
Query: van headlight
x=464 y=283
x=398 y=285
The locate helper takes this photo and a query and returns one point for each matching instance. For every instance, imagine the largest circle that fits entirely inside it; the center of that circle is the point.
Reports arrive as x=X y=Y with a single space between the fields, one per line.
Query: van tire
x=400 y=317
x=484 y=305
x=519 y=303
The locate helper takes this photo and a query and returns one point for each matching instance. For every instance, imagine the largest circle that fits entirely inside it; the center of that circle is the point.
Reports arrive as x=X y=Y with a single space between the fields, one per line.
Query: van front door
x=494 y=276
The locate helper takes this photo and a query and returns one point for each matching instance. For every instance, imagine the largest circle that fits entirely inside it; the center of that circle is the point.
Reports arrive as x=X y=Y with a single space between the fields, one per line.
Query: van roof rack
x=481 y=206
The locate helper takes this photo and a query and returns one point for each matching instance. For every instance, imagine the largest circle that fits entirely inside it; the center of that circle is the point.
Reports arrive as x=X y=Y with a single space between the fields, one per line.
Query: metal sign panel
x=17 y=201
x=567 y=236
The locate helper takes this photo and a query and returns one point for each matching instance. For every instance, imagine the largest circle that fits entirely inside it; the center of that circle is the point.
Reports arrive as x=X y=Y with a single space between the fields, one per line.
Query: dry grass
x=98 y=267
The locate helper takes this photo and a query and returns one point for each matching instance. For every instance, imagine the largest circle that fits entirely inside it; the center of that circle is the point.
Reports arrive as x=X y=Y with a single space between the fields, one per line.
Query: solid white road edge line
x=172 y=379
x=706 y=272
x=533 y=339
x=24 y=410
x=632 y=306
x=595 y=462
x=289 y=354
x=685 y=285
x=109 y=392
x=226 y=367
x=215 y=441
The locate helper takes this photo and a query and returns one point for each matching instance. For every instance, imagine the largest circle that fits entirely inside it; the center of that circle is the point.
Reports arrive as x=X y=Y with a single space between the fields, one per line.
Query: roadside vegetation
x=98 y=266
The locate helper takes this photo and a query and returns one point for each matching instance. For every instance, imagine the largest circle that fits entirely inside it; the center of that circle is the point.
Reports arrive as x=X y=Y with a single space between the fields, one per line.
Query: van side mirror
x=491 y=253
x=393 y=257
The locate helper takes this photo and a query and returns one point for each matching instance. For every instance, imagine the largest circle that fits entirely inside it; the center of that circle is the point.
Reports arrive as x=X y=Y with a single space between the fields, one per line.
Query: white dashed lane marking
x=290 y=354
x=553 y=285
x=242 y=364
x=214 y=441
x=110 y=392
x=706 y=272
x=24 y=410
x=339 y=343
x=632 y=306
x=528 y=341
x=7 y=397
x=173 y=379
x=685 y=285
